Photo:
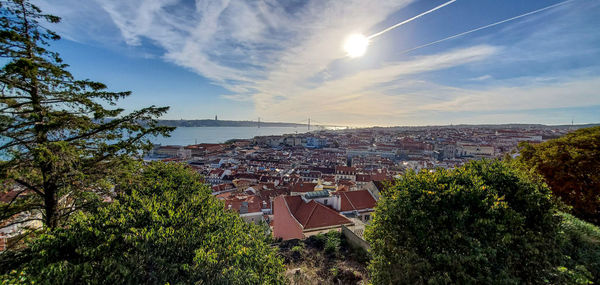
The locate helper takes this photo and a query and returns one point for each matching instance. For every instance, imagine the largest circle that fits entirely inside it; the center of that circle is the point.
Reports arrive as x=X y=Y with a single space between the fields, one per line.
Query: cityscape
x=299 y=142
x=350 y=166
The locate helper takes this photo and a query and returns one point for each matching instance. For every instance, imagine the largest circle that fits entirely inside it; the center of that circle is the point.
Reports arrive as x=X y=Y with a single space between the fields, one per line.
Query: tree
x=481 y=223
x=570 y=165
x=61 y=141
x=164 y=227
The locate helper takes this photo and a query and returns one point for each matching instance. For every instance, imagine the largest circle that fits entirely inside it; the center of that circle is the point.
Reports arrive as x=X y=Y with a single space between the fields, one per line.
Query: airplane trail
x=410 y=20
x=486 y=26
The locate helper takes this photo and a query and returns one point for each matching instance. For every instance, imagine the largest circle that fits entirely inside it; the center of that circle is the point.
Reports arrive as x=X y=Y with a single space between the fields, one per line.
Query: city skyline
x=285 y=62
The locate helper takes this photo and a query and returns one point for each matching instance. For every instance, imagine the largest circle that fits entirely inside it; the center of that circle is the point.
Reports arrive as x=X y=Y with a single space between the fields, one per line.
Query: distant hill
x=223 y=123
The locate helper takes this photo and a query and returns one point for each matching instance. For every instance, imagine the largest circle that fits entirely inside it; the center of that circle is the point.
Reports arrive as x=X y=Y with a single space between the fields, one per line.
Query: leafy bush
x=481 y=223
x=164 y=227
x=316 y=241
x=332 y=243
x=571 y=167
x=580 y=242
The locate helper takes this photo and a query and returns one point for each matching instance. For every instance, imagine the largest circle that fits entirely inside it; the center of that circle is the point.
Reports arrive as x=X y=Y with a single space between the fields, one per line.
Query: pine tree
x=61 y=139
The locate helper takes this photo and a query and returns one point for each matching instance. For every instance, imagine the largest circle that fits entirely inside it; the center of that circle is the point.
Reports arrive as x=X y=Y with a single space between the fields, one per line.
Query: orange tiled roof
x=313 y=215
x=356 y=200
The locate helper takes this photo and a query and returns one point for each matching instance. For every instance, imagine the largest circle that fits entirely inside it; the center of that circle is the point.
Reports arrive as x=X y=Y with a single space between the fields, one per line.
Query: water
x=191 y=135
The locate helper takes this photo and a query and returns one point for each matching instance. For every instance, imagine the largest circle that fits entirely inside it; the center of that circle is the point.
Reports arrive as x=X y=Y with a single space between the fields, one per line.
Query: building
x=345 y=173
x=356 y=204
x=294 y=218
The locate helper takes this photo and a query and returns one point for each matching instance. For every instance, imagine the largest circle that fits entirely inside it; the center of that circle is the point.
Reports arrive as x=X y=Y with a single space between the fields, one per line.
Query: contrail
x=486 y=26
x=411 y=19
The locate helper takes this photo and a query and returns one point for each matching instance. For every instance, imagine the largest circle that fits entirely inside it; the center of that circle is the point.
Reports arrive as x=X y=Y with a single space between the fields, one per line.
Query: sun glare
x=356 y=45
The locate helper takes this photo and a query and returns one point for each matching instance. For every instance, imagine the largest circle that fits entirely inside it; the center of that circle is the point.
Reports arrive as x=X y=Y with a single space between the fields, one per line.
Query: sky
x=283 y=60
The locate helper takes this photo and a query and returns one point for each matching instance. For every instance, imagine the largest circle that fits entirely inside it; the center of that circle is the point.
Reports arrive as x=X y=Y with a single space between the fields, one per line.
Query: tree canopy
x=481 y=223
x=570 y=165
x=164 y=226
x=61 y=139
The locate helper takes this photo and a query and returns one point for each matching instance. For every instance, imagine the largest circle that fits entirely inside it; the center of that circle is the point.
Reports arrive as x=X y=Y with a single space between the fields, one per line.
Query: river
x=192 y=135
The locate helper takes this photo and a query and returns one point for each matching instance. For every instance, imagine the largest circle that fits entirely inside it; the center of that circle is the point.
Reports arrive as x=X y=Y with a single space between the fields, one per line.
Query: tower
x=215 y=117
x=309 y=124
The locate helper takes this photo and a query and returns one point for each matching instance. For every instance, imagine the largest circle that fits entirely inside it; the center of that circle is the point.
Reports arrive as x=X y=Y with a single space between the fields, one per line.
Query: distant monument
x=215 y=117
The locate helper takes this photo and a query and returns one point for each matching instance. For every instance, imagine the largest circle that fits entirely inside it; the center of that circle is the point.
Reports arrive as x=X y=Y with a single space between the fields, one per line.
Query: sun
x=356 y=45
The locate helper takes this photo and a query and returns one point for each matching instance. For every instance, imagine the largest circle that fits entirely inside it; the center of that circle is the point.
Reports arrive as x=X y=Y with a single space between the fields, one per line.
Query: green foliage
x=333 y=243
x=298 y=248
x=481 y=223
x=60 y=138
x=570 y=165
x=317 y=241
x=580 y=242
x=164 y=227
x=15 y=277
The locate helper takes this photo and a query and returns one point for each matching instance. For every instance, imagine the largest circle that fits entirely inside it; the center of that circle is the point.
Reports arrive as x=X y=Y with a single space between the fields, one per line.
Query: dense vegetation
x=570 y=165
x=481 y=223
x=163 y=226
x=60 y=143
x=580 y=241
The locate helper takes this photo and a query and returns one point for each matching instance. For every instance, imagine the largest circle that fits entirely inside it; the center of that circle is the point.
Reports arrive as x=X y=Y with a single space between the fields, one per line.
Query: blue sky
x=283 y=60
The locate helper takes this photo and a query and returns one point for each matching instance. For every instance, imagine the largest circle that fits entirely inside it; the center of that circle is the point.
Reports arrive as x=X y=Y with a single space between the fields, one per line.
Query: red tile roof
x=356 y=200
x=313 y=215
x=303 y=187
x=234 y=201
x=344 y=169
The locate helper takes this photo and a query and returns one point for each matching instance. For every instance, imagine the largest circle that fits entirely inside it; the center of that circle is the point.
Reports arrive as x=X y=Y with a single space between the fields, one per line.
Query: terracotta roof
x=235 y=202
x=303 y=187
x=313 y=215
x=356 y=200
x=363 y=177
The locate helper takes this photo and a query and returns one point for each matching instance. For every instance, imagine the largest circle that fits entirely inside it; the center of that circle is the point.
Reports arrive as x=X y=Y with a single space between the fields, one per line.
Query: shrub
x=580 y=243
x=164 y=227
x=332 y=243
x=481 y=223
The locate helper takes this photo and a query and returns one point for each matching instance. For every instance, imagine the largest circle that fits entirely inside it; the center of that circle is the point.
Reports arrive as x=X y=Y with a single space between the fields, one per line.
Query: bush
x=316 y=241
x=481 y=223
x=580 y=243
x=332 y=243
x=164 y=227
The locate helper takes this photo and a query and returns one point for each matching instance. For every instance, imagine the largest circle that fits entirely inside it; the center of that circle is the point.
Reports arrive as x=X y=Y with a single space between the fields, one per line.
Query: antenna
x=259 y=122
x=309 y=124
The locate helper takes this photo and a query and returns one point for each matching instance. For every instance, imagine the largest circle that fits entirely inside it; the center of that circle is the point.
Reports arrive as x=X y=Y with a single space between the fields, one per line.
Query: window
x=325 y=202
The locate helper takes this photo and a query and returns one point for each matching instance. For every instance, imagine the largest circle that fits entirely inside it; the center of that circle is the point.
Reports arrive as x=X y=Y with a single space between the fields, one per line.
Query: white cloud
x=279 y=55
x=572 y=93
